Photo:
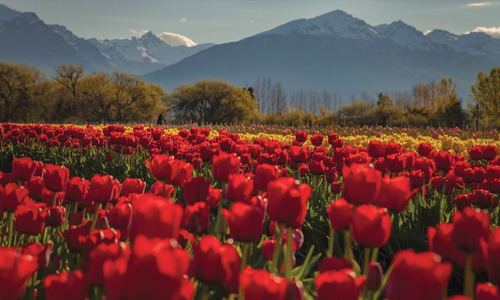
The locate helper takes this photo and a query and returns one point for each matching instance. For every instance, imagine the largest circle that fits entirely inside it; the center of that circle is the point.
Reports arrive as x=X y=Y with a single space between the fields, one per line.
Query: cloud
x=183 y=20
x=174 y=39
x=138 y=33
x=493 y=31
x=478 y=4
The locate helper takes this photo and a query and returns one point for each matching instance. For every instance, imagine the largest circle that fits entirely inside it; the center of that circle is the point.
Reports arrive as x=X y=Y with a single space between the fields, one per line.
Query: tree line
x=71 y=96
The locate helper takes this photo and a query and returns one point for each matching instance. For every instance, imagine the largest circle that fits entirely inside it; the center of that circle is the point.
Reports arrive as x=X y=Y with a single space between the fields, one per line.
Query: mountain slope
x=27 y=39
x=334 y=52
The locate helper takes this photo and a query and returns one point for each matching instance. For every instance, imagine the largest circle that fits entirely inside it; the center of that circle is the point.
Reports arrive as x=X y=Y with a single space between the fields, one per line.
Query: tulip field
x=248 y=212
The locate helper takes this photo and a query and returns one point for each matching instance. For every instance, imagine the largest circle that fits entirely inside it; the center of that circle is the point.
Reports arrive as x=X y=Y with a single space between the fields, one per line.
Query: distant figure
x=160 y=120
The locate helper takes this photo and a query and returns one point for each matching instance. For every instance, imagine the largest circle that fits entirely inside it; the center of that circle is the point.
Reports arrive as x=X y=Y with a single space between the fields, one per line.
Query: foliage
x=213 y=101
x=486 y=93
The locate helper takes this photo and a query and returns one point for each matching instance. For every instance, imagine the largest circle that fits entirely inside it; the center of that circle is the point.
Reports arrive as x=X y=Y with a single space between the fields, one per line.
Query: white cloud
x=477 y=4
x=174 y=39
x=183 y=20
x=138 y=33
x=493 y=31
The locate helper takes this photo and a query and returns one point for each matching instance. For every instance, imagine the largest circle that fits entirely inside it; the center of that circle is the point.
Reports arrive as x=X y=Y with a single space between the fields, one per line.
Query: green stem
x=11 y=228
x=289 y=254
x=54 y=199
x=205 y=291
x=94 y=216
x=348 y=246
x=374 y=254
x=277 y=248
x=329 y=253
x=469 y=277
x=244 y=259
x=366 y=261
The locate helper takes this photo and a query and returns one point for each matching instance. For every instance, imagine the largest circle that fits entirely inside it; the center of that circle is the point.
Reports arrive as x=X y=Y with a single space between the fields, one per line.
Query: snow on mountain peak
x=345 y=25
x=336 y=23
x=175 y=39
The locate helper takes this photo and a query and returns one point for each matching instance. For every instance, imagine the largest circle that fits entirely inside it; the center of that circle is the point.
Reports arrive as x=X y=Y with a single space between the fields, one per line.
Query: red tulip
x=376 y=149
x=132 y=185
x=55 y=177
x=341 y=285
x=102 y=189
x=72 y=237
x=490 y=152
x=340 y=213
x=357 y=176
x=55 y=216
x=246 y=222
x=267 y=249
x=334 y=264
x=214 y=196
x=444 y=160
x=371 y=226
x=260 y=284
x=214 y=263
x=493 y=256
x=424 y=149
x=30 y=217
x=417 y=276
x=154 y=216
x=224 y=165
x=35 y=186
x=239 y=188
x=162 y=189
x=120 y=216
x=301 y=136
x=317 y=139
x=41 y=253
x=102 y=253
x=12 y=196
x=66 y=284
x=265 y=173
x=476 y=152
x=469 y=227
x=394 y=193
x=486 y=291
x=156 y=270
x=197 y=217
x=76 y=189
x=196 y=190
x=23 y=168
x=287 y=201
x=15 y=270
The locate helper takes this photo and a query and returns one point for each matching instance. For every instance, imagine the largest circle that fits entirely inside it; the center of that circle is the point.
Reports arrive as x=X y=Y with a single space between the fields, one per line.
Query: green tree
x=213 y=101
x=486 y=93
x=97 y=98
x=358 y=112
x=23 y=92
x=67 y=92
x=447 y=109
x=134 y=100
x=384 y=109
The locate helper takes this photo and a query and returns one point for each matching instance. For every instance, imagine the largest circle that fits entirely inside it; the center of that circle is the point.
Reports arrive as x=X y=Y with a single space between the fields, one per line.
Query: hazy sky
x=232 y=20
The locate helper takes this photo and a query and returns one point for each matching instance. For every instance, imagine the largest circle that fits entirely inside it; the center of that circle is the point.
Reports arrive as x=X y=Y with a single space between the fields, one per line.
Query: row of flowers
x=225 y=216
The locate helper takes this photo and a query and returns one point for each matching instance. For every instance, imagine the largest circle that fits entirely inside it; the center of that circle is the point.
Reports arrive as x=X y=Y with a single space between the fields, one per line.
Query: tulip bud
x=374 y=277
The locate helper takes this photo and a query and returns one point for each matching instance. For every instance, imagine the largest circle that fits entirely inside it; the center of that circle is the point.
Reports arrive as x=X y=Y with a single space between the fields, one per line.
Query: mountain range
x=335 y=52
x=27 y=39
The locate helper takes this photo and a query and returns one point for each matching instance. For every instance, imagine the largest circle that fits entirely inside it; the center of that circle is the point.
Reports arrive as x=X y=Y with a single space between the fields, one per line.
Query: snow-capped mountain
x=27 y=39
x=341 y=54
x=474 y=43
x=337 y=22
x=335 y=51
x=149 y=50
